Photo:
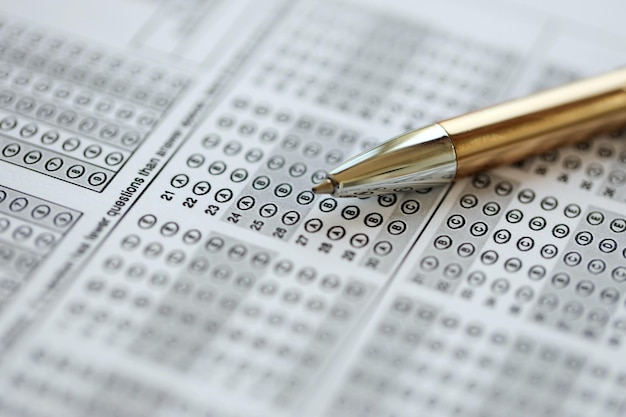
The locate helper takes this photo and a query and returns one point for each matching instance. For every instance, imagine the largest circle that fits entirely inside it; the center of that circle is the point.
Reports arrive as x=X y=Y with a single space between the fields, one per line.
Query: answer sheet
x=161 y=253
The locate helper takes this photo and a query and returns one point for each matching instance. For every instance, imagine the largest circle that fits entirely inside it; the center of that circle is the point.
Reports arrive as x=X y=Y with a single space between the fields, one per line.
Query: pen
x=483 y=139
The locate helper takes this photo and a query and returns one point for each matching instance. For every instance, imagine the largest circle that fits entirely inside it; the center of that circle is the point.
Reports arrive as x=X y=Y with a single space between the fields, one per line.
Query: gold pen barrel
x=476 y=141
x=511 y=131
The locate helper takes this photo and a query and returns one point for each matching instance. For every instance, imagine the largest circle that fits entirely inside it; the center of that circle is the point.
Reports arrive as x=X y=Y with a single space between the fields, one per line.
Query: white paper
x=161 y=253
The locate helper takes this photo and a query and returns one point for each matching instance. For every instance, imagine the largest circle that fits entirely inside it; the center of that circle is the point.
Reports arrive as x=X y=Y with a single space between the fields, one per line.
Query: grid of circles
x=372 y=233
x=76 y=112
x=511 y=266
x=586 y=287
x=249 y=162
x=613 y=183
x=381 y=68
x=30 y=228
x=200 y=304
x=261 y=164
x=405 y=370
x=84 y=388
x=243 y=298
x=212 y=285
x=219 y=164
x=298 y=158
x=457 y=242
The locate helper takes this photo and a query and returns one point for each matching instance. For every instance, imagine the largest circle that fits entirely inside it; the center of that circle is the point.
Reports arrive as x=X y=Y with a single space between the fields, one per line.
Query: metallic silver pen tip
x=325 y=187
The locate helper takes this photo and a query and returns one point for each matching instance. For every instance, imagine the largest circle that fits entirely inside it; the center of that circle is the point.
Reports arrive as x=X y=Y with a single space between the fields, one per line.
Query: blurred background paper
x=161 y=253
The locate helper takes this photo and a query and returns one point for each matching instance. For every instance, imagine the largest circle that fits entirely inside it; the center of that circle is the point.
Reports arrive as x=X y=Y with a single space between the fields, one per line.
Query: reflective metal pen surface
x=482 y=139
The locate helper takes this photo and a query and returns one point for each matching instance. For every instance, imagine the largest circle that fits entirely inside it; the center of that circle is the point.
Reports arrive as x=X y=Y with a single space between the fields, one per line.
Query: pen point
x=325 y=187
